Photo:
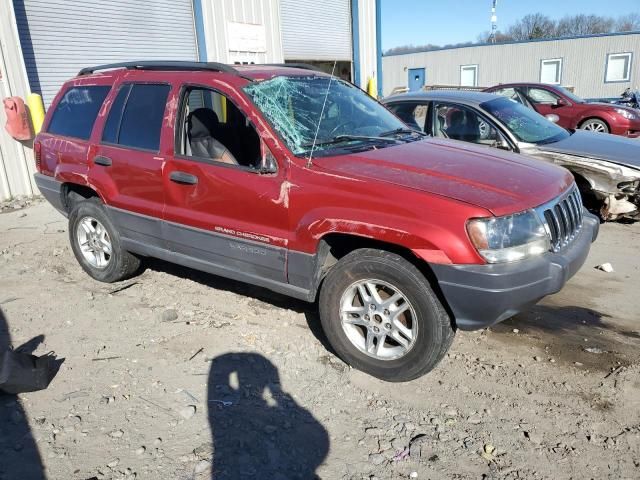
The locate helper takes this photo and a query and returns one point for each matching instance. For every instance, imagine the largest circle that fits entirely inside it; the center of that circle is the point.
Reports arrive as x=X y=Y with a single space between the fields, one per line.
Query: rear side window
x=141 y=120
x=76 y=112
x=112 y=125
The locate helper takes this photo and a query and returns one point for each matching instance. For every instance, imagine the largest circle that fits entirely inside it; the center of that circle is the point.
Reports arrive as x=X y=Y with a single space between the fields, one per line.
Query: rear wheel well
x=73 y=193
x=335 y=246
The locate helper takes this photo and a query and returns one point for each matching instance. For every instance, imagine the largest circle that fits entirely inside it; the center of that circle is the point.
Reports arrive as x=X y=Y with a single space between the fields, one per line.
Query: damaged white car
x=606 y=167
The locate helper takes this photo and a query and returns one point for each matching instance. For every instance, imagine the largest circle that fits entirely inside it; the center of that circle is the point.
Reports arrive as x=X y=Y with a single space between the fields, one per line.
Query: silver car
x=606 y=167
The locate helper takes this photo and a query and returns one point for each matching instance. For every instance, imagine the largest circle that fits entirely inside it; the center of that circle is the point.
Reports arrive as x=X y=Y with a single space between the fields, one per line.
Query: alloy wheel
x=378 y=319
x=94 y=242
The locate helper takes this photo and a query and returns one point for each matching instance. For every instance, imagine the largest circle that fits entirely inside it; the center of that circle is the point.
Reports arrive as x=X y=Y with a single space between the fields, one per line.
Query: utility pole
x=494 y=22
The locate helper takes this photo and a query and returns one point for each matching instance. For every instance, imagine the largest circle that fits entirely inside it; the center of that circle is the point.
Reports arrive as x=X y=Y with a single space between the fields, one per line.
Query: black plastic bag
x=23 y=372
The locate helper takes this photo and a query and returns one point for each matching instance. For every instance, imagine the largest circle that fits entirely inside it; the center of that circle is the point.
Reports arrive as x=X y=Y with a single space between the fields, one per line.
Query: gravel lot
x=148 y=363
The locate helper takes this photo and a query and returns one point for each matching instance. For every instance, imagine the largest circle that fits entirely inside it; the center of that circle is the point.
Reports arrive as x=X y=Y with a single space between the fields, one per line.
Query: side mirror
x=501 y=143
x=553 y=118
x=269 y=165
x=561 y=102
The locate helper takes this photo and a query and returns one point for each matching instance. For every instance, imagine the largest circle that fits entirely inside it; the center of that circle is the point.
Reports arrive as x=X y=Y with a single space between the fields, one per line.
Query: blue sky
x=419 y=22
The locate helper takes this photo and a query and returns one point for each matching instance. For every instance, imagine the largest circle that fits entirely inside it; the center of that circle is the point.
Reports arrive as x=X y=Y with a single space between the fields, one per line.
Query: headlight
x=628 y=114
x=509 y=238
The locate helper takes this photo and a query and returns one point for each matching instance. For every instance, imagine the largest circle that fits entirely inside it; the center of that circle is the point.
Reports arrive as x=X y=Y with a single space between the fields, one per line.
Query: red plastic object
x=18 y=124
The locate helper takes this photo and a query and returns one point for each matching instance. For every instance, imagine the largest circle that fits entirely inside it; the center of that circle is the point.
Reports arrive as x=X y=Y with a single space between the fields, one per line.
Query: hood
x=621 y=150
x=498 y=181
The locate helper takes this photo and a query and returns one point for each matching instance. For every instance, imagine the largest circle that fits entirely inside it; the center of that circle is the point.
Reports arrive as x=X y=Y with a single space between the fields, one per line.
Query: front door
x=545 y=102
x=224 y=210
x=416 y=79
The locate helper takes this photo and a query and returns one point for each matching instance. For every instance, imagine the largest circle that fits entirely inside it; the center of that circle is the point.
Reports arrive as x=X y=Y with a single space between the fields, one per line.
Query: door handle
x=183 y=178
x=104 y=161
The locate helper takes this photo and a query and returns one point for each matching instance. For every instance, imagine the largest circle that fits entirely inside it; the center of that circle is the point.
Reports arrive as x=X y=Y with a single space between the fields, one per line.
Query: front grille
x=563 y=218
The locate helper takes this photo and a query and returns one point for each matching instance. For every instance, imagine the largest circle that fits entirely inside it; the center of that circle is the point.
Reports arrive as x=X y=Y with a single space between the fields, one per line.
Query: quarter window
x=469 y=75
x=618 y=67
x=551 y=71
x=76 y=112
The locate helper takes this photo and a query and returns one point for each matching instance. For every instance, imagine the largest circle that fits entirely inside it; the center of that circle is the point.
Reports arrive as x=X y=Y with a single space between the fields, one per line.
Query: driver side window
x=542 y=96
x=212 y=129
x=463 y=123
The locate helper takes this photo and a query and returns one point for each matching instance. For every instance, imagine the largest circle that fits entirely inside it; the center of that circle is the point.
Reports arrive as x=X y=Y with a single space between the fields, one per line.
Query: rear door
x=127 y=160
x=230 y=217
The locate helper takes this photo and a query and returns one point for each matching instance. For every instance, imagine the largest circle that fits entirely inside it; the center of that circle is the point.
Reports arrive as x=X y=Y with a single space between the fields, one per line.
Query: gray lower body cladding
x=482 y=295
x=51 y=190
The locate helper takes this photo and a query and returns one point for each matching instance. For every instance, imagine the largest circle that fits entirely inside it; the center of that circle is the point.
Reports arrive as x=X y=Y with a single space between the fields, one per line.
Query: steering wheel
x=339 y=126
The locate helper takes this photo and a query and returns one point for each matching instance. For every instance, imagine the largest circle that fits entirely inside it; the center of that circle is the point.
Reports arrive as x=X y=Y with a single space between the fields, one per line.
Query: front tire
x=382 y=317
x=595 y=125
x=96 y=243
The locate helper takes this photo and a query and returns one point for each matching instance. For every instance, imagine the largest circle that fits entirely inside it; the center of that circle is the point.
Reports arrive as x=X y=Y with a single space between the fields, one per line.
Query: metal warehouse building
x=45 y=42
x=597 y=66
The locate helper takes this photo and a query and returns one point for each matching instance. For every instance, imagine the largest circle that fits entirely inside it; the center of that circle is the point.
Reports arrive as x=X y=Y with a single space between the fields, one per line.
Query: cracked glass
x=297 y=109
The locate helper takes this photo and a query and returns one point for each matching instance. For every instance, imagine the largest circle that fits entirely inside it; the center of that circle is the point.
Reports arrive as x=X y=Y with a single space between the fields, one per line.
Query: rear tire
x=351 y=314
x=96 y=243
x=595 y=125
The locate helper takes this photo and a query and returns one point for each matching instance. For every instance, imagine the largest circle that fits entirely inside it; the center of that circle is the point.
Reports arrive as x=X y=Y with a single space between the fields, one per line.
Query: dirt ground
x=159 y=367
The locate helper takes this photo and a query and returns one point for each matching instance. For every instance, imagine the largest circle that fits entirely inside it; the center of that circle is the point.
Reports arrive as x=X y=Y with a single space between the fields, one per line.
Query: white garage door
x=59 y=37
x=316 y=30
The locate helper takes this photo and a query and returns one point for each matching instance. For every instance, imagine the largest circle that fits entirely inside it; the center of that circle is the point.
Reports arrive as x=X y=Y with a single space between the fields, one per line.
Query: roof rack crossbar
x=162 y=65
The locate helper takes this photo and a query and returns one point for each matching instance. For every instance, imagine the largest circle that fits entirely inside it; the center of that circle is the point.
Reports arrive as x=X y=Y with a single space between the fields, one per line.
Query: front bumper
x=482 y=295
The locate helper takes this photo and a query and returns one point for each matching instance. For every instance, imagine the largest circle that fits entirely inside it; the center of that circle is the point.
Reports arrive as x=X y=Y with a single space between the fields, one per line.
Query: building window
x=618 y=67
x=551 y=71
x=469 y=75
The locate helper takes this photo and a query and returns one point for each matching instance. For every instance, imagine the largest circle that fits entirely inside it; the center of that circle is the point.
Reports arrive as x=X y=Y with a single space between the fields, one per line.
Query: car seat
x=202 y=125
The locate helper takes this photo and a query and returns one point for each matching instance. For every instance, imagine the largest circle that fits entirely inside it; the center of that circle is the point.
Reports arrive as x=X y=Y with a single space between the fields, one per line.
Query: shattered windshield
x=525 y=124
x=348 y=117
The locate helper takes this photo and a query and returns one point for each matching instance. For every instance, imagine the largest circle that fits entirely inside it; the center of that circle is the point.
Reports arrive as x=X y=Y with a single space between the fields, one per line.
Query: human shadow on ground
x=19 y=455
x=261 y=431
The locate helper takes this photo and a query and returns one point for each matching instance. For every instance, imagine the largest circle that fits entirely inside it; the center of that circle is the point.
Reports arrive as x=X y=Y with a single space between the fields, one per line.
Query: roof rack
x=162 y=65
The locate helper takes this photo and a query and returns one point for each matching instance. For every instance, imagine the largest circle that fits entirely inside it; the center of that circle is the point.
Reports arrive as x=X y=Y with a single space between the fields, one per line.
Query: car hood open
x=616 y=149
x=500 y=182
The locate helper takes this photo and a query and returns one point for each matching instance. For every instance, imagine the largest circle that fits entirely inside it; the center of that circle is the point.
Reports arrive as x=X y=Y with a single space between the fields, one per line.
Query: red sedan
x=572 y=111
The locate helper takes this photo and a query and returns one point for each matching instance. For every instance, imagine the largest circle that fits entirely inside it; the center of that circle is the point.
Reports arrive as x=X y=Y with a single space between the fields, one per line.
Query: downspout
x=379 y=45
x=355 y=40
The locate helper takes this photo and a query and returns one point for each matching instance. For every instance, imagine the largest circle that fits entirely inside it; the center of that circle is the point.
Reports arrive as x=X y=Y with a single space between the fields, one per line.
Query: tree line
x=537 y=26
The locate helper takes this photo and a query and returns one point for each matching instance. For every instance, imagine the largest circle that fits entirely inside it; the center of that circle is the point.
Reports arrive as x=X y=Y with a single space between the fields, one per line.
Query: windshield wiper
x=400 y=130
x=348 y=138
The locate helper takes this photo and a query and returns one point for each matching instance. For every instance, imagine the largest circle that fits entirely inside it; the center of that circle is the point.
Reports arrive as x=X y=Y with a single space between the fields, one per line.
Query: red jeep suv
x=572 y=111
x=301 y=183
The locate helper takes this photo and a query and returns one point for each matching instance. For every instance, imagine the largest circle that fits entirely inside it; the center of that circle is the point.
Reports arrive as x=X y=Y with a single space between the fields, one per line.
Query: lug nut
x=387 y=326
x=386 y=312
x=372 y=307
x=366 y=317
x=376 y=329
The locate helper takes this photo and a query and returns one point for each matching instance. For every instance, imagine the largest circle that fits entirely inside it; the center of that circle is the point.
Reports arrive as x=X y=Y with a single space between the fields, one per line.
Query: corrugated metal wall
x=316 y=30
x=218 y=16
x=59 y=37
x=583 y=66
x=367 y=40
x=16 y=159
